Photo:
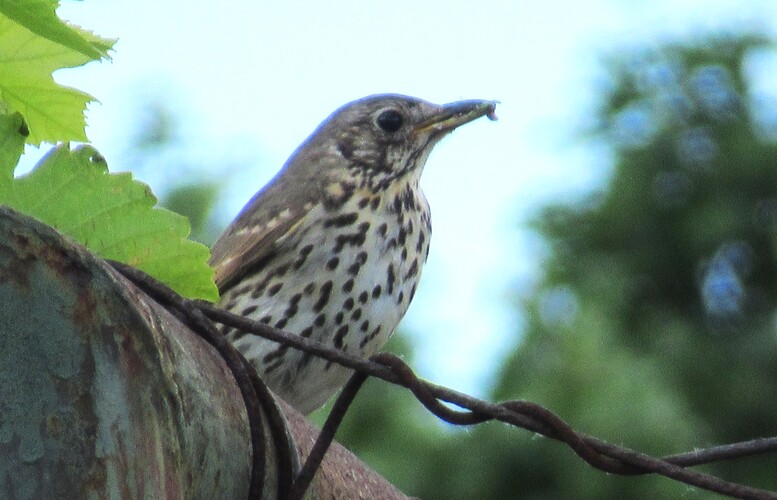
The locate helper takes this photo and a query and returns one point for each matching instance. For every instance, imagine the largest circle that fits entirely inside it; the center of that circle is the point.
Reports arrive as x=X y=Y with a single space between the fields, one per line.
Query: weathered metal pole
x=104 y=394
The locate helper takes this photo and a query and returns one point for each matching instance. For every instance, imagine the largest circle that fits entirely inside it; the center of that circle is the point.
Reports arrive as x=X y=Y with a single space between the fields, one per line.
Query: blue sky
x=252 y=79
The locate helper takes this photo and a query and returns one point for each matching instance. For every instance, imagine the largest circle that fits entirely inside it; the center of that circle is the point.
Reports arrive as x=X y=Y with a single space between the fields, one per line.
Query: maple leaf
x=34 y=43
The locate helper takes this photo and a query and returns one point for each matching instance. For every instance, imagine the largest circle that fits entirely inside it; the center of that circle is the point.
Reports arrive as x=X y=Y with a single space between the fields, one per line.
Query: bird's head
x=380 y=138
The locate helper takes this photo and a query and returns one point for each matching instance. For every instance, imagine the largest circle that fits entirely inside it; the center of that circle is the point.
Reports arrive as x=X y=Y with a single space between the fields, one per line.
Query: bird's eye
x=390 y=120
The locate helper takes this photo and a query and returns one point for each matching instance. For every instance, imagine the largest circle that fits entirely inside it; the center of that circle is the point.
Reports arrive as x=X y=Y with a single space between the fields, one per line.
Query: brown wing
x=268 y=219
x=273 y=214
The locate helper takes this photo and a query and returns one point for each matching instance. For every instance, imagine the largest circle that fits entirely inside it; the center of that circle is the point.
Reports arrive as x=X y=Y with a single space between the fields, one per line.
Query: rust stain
x=85 y=310
x=147 y=409
x=19 y=260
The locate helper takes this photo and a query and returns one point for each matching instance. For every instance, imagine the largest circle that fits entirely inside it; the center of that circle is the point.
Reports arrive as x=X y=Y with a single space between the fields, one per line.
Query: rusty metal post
x=104 y=394
x=101 y=393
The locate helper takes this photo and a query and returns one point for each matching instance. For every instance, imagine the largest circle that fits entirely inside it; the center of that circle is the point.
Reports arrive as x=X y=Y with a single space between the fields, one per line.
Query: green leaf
x=52 y=112
x=13 y=132
x=114 y=216
x=40 y=17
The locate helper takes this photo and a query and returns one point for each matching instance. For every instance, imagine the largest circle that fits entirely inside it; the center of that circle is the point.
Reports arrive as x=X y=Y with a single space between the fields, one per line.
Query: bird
x=333 y=246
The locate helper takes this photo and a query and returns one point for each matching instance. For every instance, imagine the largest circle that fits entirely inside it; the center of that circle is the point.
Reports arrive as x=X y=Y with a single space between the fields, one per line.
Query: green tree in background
x=653 y=325
x=157 y=146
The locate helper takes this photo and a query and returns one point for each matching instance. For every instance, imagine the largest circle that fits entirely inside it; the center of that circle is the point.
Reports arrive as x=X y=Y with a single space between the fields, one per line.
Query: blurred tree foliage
x=157 y=147
x=654 y=324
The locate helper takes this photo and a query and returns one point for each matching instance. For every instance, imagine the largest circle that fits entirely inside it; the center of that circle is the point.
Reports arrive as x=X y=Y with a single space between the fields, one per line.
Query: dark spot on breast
x=323 y=296
x=266 y=320
x=303 y=256
x=382 y=230
x=309 y=288
x=382 y=185
x=421 y=240
x=290 y=311
x=363 y=227
x=390 y=278
x=320 y=320
x=280 y=270
x=342 y=220
x=412 y=293
x=348 y=285
x=359 y=260
x=404 y=254
x=340 y=336
x=365 y=325
x=281 y=323
x=402 y=236
x=408 y=200
x=307 y=332
x=413 y=269
x=363 y=297
x=396 y=205
x=332 y=263
x=376 y=292
x=348 y=304
x=401 y=297
x=274 y=289
x=356 y=314
x=375 y=332
x=294 y=300
x=258 y=291
x=375 y=203
x=355 y=239
x=364 y=202
x=339 y=318
x=248 y=310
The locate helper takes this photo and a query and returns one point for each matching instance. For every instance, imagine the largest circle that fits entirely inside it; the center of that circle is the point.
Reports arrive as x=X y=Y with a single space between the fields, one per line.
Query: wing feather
x=272 y=215
x=255 y=234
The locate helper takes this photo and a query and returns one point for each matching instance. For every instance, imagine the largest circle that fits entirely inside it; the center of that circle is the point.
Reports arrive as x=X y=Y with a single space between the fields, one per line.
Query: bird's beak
x=455 y=114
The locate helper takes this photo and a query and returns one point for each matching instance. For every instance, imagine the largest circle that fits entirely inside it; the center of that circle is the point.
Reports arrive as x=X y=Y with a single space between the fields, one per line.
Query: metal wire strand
x=524 y=414
x=527 y=415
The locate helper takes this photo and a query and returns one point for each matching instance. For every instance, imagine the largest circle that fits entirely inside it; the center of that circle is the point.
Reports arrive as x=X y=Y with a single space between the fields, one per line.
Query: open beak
x=455 y=114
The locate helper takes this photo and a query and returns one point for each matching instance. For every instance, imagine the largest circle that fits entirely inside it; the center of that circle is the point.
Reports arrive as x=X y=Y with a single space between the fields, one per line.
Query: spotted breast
x=332 y=249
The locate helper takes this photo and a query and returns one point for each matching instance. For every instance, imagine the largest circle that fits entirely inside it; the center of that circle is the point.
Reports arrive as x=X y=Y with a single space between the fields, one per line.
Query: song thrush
x=332 y=248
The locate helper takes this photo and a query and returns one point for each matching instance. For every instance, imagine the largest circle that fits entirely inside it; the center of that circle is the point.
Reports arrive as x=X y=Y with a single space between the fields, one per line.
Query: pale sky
x=253 y=79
